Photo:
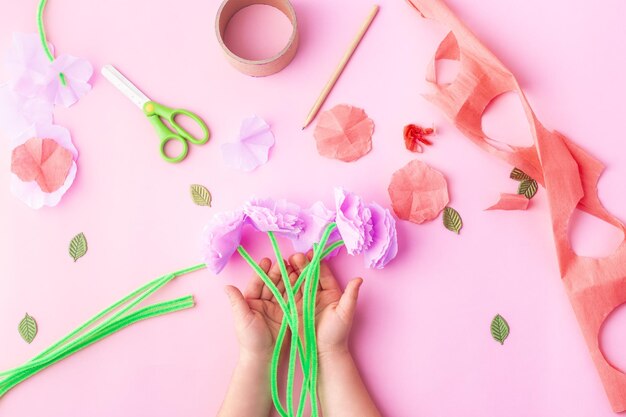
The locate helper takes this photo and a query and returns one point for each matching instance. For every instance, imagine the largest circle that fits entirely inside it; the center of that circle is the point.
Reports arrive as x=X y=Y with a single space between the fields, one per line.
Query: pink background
x=422 y=331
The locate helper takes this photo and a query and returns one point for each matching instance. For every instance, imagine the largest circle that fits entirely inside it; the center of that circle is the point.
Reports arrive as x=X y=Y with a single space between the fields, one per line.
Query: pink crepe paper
x=220 y=239
x=509 y=201
x=18 y=113
x=252 y=147
x=43 y=189
x=344 y=132
x=354 y=221
x=418 y=192
x=595 y=286
x=315 y=220
x=384 y=246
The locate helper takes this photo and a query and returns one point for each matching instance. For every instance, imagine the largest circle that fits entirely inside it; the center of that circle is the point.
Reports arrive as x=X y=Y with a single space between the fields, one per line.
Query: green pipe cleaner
x=42 y=37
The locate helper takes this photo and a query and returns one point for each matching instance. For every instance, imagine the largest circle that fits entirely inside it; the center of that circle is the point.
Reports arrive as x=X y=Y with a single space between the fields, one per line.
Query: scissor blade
x=124 y=85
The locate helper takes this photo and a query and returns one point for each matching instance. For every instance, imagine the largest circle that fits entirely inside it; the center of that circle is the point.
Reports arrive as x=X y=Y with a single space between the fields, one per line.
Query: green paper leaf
x=78 y=246
x=528 y=188
x=519 y=175
x=499 y=329
x=28 y=328
x=452 y=220
x=200 y=195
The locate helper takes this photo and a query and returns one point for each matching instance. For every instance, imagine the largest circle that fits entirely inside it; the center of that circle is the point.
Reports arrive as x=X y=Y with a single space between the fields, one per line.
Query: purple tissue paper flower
x=384 y=245
x=221 y=237
x=33 y=75
x=354 y=221
x=267 y=215
x=315 y=219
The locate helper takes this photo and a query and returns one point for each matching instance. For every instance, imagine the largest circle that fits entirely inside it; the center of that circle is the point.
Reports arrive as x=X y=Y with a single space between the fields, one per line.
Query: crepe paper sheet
x=418 y=192
x=509 y=201
x=252 y=147
x=31 y=192
x=452 y=220
x=595 y=286
x=344 y=132
x=528 y=188
x=200 y=195
x=27 y=328
x=499 y=329
x=78 y=246
x=415 y=136
x=43 y=161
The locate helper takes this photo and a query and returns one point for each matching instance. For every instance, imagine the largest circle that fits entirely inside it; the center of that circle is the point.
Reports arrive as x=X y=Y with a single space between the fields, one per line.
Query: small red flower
x=415 y=136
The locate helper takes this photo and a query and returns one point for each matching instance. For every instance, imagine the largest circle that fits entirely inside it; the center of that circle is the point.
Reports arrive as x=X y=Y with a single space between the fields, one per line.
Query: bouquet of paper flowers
x=366 y=229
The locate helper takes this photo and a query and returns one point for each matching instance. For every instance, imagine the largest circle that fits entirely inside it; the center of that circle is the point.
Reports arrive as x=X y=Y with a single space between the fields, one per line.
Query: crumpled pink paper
x=509 y=201
x=251 y=149
x=18 y=113
x=40 y=191
x=596 y=286
x=418 y=192
x=344 y=132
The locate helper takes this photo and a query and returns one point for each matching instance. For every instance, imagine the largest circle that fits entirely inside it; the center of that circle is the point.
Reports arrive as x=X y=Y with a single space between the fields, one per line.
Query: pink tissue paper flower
x=384 y=245
x=18 y=113
x=315 y=220
x=281 y=216
x=33 y=75
x=221 y=237
x=354 y=221
x=252 y=147
x=58 y=144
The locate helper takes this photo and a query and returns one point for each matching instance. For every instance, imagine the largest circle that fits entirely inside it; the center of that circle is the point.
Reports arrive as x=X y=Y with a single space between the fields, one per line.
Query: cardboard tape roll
x=263 y=67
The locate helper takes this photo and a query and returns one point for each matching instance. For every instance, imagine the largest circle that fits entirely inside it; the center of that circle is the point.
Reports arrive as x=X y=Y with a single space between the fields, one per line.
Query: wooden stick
x=344 y=61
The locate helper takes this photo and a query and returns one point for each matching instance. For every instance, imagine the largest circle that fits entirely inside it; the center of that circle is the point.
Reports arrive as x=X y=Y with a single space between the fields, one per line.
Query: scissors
x=157 y=113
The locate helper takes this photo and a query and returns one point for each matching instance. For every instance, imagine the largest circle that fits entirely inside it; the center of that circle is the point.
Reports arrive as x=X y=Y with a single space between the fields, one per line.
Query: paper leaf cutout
x=452 y=220
x=344 y=132
x=252 y=148
x=511 y=202
x=200 y=195
x=28 y=328
x=519 y=175
x=418 y=192
x=78 y=246
x=499 y=329
x=528 y=188
x=43 y=161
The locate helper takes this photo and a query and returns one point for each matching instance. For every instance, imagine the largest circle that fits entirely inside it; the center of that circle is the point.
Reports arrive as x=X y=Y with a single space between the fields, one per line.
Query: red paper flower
x=43 y=161
x=415 y=135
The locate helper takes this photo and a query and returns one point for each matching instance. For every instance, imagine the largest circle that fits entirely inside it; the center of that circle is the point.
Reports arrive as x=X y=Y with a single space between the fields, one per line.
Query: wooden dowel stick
x=344 y=61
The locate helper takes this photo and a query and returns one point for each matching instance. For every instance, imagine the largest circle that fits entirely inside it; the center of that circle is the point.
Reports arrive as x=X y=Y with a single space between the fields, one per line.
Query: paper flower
x=267 y=215
x=384 y=245
x=418 y=193
x=315 y=220
x=221 y=237
x=32 y=75
x=43 y=165
x=344 y=132
x=415 y=136
x=19 y=113
x=354 y=221
x=252 y=147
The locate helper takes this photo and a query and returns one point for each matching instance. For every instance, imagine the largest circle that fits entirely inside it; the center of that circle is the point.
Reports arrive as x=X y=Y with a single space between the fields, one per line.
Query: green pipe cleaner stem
x=44 y=41
x=142 y=314
x=67 y=346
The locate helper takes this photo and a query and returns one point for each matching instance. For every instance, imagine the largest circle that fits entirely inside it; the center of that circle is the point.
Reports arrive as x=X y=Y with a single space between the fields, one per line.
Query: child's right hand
x=334 y=310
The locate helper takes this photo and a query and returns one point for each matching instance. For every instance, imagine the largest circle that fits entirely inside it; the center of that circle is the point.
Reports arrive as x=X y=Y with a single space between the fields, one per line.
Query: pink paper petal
x=344 y=132
x=31 y=194
x=418 y=193
x=77 y=73
x=27 y=64
x=43 y=161
x=252 y=147
x=511 y=202
x=19 y=113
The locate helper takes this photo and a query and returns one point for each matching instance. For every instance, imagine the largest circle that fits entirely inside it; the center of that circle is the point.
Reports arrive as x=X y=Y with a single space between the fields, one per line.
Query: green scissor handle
x=156 y=112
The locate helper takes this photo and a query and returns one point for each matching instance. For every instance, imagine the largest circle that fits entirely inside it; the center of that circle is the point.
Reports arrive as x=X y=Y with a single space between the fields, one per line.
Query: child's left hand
x=256 y=312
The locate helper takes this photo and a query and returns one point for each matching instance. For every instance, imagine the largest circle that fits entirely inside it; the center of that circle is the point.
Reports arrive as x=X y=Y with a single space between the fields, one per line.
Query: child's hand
x=334 y=310
x=257 y=313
